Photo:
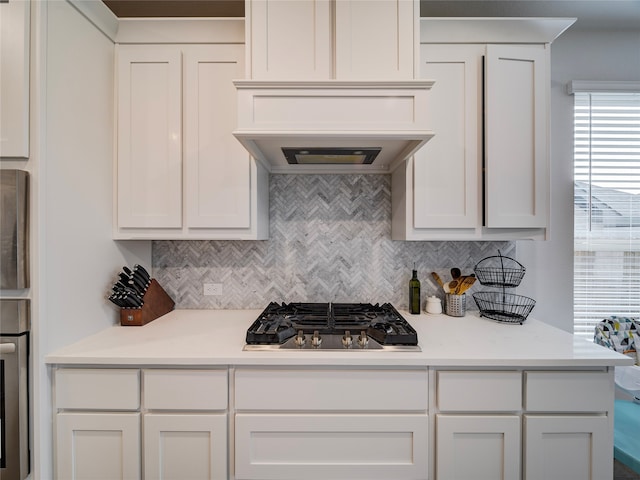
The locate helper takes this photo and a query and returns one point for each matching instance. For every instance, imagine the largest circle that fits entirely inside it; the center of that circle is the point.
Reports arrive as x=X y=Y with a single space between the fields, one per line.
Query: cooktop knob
x=316 y=340
x=300 y=339
x=363 y=340
x=347 y=340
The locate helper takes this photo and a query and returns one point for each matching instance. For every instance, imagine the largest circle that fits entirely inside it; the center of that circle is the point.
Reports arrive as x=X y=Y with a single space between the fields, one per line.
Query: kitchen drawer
x=97 y=389
x=185 y=389
x=568 y=391
x=479 y=391
x=331 y=389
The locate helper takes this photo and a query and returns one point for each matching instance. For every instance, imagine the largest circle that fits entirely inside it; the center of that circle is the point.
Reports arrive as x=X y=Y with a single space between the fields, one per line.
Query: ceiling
x=591 y=14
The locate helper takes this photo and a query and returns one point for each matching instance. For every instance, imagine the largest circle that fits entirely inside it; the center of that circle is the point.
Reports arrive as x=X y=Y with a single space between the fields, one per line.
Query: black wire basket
x=499 y=271
x=504 y=307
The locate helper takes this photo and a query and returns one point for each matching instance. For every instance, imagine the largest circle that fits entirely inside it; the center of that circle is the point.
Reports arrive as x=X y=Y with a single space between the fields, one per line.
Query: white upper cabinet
x=485 y=173
x=149 y=137
x=332 y=39
x=289 y=39
x=447 y=172
x=180 y=172
x=14 y=79
x=516 y=136
x=374 y=39
x=217 y=167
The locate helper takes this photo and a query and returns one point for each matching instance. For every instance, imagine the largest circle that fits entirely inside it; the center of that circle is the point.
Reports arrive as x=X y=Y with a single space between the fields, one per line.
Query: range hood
x=331 y=85
x=358 y=126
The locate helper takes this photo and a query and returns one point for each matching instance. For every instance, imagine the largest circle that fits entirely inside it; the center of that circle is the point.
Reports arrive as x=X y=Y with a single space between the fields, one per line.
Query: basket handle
x=500 y=257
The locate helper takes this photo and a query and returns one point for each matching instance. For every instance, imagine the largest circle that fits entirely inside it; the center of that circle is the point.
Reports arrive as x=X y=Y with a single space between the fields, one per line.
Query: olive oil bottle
x=414 y=293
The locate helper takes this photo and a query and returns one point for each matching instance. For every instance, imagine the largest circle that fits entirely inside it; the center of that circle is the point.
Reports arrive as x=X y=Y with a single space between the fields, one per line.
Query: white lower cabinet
x=570 y=435
x=531 y=425
x=331 y=423
x=127 y=423
x=98 y=446
x=98 y=423
x=477 y=447
x=478 y=435
x=185 y=446
x=576 y=447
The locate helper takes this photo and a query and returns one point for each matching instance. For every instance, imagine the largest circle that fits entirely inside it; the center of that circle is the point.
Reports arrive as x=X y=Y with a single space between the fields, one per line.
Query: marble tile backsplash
x=330 y=240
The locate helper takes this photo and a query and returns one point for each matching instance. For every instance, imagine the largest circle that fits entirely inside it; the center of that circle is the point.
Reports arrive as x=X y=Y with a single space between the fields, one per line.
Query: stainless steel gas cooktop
x=331 y=326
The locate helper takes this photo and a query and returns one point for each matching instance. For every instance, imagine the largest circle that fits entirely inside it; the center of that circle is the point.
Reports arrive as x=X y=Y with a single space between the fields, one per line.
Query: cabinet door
x=375 y=39
x=516 y=123
x=568 y=447
x=350 y=446
x=289 y=39
x=447 y=179
x=149 y=176
x=478 y=447
x=14 y=78
x=217 y=167
x=98 y=445
x=178 y=447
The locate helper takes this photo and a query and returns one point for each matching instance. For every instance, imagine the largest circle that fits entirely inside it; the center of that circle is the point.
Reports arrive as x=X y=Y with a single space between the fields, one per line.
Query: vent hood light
x=331 y=156
x=332 y=120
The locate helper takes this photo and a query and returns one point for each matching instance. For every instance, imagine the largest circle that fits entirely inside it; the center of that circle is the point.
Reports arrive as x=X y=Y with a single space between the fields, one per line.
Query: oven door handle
x=7 y=348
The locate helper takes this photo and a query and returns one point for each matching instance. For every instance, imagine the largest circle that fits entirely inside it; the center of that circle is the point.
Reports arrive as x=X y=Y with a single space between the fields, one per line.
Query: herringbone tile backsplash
x=330 y=241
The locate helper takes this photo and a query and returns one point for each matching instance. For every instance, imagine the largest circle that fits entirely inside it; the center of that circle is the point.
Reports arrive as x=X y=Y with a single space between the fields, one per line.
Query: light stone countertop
x=216 y=337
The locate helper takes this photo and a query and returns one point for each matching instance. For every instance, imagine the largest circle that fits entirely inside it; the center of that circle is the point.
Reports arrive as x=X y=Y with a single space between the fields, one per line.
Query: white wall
x=75 y=260
x=576 y=55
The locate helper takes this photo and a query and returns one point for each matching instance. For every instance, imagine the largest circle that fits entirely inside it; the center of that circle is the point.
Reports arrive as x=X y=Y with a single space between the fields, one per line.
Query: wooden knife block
x=156 y=304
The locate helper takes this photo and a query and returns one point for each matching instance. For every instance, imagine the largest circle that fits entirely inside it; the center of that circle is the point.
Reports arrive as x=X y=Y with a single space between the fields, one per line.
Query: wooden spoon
x=437 y=278
x=455 y=273
x=465 y=285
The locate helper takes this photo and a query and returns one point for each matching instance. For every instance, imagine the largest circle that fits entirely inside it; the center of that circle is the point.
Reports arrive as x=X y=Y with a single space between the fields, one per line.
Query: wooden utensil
x=465 y=284
x=437 y=278
x=453 y=284
x=455 y=273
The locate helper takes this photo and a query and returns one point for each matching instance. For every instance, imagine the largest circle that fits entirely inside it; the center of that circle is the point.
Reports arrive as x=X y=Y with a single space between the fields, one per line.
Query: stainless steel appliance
x=331 y=326
x=14 y=386
x=14 y=242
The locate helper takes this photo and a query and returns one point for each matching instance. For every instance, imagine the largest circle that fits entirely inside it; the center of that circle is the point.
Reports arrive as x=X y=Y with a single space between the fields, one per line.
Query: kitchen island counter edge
x=216 y=337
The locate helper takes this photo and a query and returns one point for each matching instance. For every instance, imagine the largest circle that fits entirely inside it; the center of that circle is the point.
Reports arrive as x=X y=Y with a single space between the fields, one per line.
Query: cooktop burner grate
x=278 y=323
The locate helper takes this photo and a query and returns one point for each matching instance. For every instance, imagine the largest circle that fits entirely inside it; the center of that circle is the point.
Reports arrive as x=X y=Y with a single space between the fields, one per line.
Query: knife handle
x=138 y=284
x=143 y=272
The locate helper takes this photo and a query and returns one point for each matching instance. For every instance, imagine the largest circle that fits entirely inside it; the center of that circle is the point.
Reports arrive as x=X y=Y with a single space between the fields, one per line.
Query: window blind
x=606 y=207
